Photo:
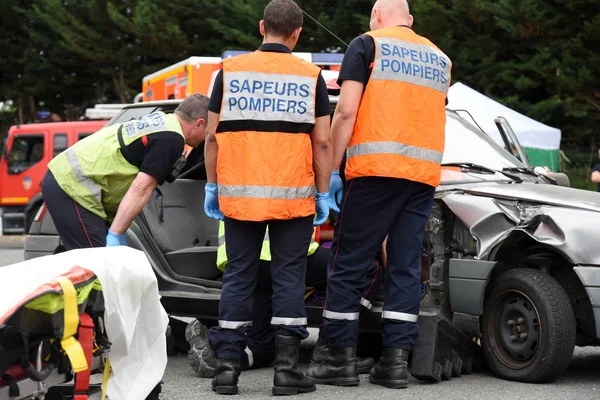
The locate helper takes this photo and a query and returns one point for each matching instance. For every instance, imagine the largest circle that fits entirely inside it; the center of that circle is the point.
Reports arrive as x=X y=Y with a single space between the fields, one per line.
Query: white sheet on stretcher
x=135 y=320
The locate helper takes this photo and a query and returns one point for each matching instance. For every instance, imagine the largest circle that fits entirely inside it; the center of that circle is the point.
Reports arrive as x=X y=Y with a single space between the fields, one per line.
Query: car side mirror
x=561 y=178
x=558 y=178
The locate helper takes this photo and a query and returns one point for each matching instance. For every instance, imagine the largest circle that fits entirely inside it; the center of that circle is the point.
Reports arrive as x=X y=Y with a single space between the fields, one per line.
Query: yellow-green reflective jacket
x=94 y=173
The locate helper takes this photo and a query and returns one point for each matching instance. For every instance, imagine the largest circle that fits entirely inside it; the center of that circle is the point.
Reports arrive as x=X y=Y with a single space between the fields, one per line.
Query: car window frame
x=54 y=137
x=15 y=170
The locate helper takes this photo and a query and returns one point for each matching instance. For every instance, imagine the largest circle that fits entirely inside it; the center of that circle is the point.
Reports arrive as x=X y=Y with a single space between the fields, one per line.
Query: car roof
x=153 y=103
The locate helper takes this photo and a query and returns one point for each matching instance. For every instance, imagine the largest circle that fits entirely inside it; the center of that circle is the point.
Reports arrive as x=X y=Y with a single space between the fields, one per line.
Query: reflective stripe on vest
x=94 y=172
x=268 y=192
x=265 y=253
x=394 y=148
x=86 y=182
x=264 y=165
x=400 y=126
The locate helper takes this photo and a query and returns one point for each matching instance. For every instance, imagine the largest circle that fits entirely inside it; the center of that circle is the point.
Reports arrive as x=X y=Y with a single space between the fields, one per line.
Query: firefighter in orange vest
x=390 y=121
x=268 y=158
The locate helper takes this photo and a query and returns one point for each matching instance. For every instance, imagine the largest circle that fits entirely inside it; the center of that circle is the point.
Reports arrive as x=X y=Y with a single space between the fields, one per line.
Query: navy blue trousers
x=77 y=227
x=260 y=350
x=289 y=245
x=374 y=207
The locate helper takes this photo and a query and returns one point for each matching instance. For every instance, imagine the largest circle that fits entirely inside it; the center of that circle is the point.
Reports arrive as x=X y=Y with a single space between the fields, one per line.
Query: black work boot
x=202 y=357
x=364 y=364
x=288 y=379
x=227 y=375
x=391 y=370
x=340 y=368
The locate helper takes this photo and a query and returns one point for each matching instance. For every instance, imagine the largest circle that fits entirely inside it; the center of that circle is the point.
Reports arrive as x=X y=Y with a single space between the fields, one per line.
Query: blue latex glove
x=211 y=202
x=112 y=239
x=336 y=191
x=322 y=209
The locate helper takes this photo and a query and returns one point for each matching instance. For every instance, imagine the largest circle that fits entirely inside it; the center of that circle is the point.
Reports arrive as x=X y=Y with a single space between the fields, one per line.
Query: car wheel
x=528 y=327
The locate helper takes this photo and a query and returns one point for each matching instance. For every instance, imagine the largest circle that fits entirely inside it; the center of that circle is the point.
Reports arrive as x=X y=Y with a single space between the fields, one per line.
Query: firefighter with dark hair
x=268 y=159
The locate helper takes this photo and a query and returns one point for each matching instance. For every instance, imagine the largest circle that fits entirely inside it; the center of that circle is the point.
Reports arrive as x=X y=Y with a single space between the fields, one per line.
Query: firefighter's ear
x=296 y=34
x=200 y=122
x=261 y=27
x=200 y=127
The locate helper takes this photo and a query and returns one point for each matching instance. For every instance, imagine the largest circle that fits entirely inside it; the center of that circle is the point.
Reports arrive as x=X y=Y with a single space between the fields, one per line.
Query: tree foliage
x=540 y=57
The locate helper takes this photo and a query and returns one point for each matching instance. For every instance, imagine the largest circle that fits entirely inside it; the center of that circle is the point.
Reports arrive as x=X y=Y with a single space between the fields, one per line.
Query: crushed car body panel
x=590 y=277
x=543 y=212
x=468 y=279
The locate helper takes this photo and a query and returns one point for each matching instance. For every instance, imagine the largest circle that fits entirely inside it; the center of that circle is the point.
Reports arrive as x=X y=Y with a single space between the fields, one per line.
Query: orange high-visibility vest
x=265 y=163
x=400 y=127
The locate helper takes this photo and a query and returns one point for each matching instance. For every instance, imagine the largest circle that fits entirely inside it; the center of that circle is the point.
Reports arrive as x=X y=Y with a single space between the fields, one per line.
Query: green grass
x=580 y=178
x=582 y=159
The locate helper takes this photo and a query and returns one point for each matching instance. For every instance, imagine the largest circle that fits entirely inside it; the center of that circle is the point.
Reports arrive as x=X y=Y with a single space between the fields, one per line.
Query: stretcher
x=66 y=317
x=53 y=336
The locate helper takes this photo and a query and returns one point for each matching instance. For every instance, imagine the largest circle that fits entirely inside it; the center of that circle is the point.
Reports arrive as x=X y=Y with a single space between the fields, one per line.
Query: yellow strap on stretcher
x=105 y=378
x=69 y=344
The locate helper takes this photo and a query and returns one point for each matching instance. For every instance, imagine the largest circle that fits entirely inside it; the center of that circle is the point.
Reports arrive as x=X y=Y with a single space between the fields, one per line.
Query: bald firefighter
x=390 y=121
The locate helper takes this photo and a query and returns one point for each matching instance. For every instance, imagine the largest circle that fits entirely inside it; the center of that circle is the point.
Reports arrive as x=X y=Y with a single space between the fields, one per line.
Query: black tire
x=528 y=327
x=171 y=345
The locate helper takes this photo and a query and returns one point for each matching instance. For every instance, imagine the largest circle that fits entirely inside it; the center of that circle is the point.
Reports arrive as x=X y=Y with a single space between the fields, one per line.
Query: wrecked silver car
x=509 y=258
x=514 y=257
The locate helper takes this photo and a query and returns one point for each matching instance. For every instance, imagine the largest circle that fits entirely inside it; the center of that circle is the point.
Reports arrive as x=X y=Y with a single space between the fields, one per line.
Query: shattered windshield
x=467 y=144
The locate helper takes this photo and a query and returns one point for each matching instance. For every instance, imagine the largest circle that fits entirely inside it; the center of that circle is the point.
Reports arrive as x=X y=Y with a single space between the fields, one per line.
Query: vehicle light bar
x=315 y=58
x=233 y=53
x=327 y=58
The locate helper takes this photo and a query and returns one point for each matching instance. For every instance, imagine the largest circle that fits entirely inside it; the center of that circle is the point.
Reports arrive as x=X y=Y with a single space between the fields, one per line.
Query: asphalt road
x=581 y=380
x=10 y=256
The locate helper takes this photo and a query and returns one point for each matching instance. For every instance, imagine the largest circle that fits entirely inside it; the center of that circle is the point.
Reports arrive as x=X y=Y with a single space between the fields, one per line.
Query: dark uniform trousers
x=372 y=208
x=260 y=350
x=77 y=227
x=289 y=241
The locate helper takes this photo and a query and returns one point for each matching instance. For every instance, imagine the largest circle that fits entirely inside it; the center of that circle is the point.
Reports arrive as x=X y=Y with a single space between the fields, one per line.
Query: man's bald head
x=387 y=13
